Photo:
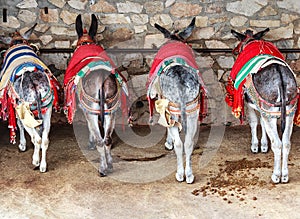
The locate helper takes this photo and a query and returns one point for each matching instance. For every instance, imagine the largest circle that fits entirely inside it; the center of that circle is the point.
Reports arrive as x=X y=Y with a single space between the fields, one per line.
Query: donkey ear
x=238 y=35
x=260 y=34
x=78 y=25
x=29 y=32
x=187 y=32
x=166 y=33
x=93 y=27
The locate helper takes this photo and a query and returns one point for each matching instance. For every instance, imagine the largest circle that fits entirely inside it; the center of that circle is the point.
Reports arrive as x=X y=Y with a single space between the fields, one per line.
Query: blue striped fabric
x=15 y=53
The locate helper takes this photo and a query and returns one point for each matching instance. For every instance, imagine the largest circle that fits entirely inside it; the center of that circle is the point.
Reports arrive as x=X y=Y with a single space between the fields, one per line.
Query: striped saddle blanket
x=254 y=65
x=17 y=60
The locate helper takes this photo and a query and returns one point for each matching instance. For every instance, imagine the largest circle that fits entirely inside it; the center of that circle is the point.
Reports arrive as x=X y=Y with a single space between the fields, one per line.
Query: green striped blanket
x=253 y=65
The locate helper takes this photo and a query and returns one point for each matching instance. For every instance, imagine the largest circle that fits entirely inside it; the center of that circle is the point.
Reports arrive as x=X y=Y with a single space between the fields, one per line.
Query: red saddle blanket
x=82 y=56
x=234 y=97
x=172 y=49
x=175 y=49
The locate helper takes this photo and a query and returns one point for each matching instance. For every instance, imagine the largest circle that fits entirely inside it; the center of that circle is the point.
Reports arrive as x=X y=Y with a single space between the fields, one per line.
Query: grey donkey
x=33 y=87
x=180 y=85
x=276 y=90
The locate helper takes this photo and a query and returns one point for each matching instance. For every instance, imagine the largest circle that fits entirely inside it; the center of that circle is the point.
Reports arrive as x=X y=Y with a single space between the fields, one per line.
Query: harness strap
x=83 y=94
x=174 y=108
x=259 y=102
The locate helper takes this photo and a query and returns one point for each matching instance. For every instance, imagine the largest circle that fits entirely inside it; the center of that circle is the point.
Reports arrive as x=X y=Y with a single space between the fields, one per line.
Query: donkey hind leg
x=286 y=145
x=169 y=144
x=45 y=138
x=22 y=145
x=264 y=139
x=253 y=126
x=36 y=140
x=109 y=124
x=94 y=131
x=192 y=123
x=178 y=147
x=276 y=146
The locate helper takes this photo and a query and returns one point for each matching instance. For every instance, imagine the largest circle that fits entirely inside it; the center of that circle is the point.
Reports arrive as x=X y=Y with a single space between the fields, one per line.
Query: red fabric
x=172 y=49
x=3 y=105
x=70 y=101
x=252 y=49
x=77 y=61
x=57 y=90
x=11 y=121
x=297 y=113
x=234 y=98
x=8 y=112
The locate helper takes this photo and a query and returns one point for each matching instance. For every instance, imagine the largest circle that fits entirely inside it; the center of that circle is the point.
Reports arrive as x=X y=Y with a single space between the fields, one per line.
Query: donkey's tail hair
x=183 y=114
x=39 y=104
x=102 y=101
x=282 y=90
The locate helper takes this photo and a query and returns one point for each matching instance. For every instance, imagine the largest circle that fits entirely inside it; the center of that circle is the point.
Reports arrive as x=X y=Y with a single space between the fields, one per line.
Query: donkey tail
x=183 y=114
x=39 y=109
x=38 y=96
x=102 y=101
x=39 y=105
x=282 y=90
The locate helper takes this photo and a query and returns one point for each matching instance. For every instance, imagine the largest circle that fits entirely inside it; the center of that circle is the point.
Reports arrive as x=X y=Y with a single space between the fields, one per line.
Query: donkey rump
x=171 y=54
x=86 y=58
x=234 y=96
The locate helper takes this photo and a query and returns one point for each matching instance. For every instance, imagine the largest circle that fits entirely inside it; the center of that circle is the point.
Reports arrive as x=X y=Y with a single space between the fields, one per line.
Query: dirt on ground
x=230 y=181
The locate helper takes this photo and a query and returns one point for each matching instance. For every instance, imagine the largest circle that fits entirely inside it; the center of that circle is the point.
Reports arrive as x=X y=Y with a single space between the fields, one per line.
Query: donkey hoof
x=179 y=177
x=36 y=163
x=168 y=146
x=264 y=149
x=43 y=169
x=285 y=179
x=275 y=179
x=22 y=148
x=190 y=179
x=254 y=150
x=102 y=174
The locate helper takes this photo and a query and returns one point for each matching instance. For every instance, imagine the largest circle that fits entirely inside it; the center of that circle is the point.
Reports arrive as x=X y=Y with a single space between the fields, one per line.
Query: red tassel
x=297 y=113
x=70 y=101
x=151 y=105
x=11 y=121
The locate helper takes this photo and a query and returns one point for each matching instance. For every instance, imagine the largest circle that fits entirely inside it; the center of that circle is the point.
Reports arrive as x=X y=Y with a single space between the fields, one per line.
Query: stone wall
x=130 y=24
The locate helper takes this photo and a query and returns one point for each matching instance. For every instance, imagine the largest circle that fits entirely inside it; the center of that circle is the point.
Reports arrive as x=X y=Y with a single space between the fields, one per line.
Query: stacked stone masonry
x=130 y=24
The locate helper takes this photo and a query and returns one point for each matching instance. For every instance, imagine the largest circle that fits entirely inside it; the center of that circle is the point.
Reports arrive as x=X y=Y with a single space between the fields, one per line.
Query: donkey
x=28 y=93
x=268 y=85
x=98 y=88
x=175 y=80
